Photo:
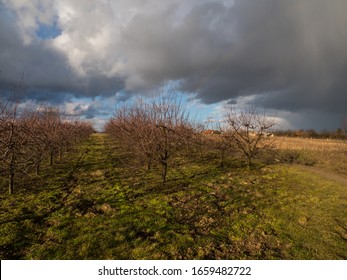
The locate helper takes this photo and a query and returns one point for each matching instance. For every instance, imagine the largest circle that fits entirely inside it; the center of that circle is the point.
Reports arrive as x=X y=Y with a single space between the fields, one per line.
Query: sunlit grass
x=101 y=204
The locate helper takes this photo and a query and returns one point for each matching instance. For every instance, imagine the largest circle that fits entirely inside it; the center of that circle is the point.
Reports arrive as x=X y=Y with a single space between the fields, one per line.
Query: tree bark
x=38 y=168
x=164 y=172
x=149 y=163
x=11 y=183
x=249 y=162
x=52 y=156
x=222 y=159
x=11 y=176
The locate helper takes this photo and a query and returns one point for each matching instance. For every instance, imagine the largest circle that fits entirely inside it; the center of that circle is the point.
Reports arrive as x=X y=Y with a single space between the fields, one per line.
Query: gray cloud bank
x=283 y=55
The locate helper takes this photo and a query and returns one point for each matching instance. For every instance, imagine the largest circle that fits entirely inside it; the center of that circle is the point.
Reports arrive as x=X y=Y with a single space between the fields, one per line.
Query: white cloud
x=92 y=36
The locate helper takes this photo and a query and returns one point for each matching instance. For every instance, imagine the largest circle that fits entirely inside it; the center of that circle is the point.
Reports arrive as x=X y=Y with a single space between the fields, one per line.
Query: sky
x=287 y=57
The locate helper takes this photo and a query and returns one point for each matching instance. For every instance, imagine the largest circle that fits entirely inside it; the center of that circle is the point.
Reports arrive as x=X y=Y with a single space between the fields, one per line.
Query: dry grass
x=291 y=143
x=324 y=153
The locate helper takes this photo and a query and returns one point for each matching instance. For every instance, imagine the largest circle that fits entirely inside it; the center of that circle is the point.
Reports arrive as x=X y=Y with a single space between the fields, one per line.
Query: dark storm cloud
x=288 y=54
x=296 y=53
x=161 y=49
x=284 y=55
x=41 y=66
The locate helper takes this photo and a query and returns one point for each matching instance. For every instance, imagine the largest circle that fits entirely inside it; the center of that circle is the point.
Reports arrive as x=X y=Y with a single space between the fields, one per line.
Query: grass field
x=99 y=203
x=328 y=154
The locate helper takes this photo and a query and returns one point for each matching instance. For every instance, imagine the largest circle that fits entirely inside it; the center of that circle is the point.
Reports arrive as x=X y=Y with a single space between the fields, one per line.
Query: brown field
x=327 y=154
x=322 y=145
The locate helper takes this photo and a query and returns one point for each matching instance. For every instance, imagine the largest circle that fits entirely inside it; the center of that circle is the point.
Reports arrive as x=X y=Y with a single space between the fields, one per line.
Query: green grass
x=100 y=204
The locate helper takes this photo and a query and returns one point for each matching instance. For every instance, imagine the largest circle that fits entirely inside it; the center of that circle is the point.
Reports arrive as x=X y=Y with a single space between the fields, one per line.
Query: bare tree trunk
x=149 y=163
x=222 y=158
x=11 y=183
x=164 y=172
x=38 y=168
x=51 y=159
x=11 y=175
x=249 y=162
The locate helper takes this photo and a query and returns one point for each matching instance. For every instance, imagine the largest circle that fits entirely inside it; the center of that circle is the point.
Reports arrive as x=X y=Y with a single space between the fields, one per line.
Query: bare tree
x=131 y=126
x=249 y=131
x=31 y=133
x=51 y=125
x=344 y=125
x=171 y=129
x=4 y=118
x=33 y=130
x=153 y=130
x=44 y=123
x=197 y=138
x=224 y=142
x=13 y=135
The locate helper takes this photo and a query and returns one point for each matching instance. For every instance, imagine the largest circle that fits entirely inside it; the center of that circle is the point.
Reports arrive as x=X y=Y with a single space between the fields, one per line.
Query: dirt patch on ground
x=329 y=175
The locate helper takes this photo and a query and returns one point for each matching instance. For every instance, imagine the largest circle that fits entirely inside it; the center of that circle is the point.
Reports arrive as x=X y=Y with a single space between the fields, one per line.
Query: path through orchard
x=101 y=203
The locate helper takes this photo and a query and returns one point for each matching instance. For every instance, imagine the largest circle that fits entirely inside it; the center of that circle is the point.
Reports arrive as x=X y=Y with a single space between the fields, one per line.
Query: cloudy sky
x=288 y=56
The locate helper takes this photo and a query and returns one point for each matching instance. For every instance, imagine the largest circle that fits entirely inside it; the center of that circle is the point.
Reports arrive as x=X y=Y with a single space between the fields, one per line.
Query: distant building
x=211 y=131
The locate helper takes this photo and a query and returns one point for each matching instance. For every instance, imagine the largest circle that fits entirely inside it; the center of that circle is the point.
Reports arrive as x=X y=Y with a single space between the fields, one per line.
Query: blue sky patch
x=48 y=31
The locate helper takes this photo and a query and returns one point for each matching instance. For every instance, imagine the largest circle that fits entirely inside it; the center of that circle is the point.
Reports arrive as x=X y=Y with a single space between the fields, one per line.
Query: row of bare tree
x=31 y=134
x=159 y=129
x=154 y=131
